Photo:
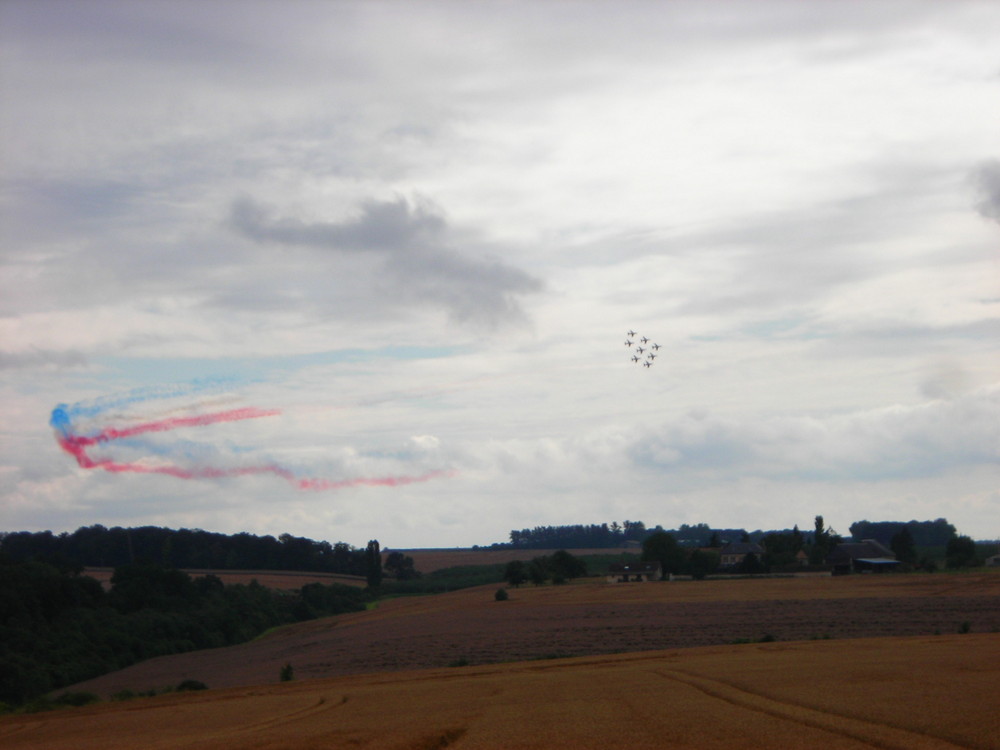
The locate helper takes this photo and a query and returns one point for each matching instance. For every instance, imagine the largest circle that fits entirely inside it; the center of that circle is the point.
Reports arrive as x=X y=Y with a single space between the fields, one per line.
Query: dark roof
x=741 y=548
x=867 y=549
x=635 y=567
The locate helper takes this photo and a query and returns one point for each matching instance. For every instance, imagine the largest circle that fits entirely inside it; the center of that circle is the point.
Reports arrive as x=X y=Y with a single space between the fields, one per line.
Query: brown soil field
x=285 y=580
x=431 y=559
x=917 y=693
x=583 y=619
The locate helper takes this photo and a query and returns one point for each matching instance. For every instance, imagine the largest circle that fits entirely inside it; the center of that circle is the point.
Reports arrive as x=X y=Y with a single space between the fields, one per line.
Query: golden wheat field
x=907 y=693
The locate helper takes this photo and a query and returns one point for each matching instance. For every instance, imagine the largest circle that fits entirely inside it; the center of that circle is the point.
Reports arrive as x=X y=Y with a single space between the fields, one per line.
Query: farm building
x=634 y=572
x=866 y=556
x=734 y=553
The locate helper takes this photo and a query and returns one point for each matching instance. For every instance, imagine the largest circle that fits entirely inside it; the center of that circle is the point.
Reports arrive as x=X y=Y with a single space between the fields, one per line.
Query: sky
x=356 y=270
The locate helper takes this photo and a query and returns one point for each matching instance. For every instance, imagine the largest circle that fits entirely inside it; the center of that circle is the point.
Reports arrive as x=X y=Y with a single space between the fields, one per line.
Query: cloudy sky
x=365 y=270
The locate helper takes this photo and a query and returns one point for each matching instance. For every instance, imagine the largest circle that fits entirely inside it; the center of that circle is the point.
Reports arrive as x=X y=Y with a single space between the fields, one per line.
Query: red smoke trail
x=76 y=446
x=329 y=484
x=173 y=423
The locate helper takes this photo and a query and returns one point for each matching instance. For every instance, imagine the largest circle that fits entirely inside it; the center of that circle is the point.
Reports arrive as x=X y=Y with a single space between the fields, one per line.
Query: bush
x=191 y=685
x=501 y=595
x=76 y=699
x=287 y=673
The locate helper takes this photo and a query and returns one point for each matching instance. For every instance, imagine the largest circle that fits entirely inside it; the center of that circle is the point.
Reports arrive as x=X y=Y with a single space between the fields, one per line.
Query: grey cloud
x=418 y=265
x=987 y=181
x=896 y=442
x=381 y=225
x=37 y=358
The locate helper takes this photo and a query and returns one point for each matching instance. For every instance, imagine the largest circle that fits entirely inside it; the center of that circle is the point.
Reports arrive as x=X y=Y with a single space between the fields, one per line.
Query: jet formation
x=645 y=346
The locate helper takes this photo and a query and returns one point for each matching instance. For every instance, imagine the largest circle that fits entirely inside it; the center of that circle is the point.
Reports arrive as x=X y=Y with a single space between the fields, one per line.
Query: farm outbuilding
x=866 y=556
x=634 y=572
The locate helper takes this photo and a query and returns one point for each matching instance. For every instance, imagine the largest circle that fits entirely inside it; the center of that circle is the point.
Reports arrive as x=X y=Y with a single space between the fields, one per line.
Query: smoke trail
x=163 y=425
x=77 y=445
x=328 y=484
x=102 y=404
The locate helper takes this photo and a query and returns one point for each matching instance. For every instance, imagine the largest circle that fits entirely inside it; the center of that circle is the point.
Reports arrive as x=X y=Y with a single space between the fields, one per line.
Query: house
x=993 y=562
x=866 y=556
x=733 y=553
x=634 y=572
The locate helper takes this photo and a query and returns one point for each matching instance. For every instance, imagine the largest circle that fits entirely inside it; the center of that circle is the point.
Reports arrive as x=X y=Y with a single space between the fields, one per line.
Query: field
x=284 y=580
x=847 y=662
x=933 y=692
x=429 y=560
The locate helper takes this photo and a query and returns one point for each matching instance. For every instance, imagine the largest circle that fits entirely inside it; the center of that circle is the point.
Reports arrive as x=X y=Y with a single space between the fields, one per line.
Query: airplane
x=640 y=349
x=651 y=356
x=656 y=346
x=631 y=333
x=644 y=339
x=628 y=343
x=647 y=364
x=635 y=359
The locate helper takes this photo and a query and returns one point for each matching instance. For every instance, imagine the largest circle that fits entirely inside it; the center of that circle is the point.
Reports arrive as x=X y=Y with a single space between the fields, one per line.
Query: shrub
x=191 y=685
x=76 y=699
x=287 y=673
x=501 y=595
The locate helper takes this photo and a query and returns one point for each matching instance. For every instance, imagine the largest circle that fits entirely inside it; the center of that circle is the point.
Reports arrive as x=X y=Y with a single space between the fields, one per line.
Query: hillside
x=583 y=619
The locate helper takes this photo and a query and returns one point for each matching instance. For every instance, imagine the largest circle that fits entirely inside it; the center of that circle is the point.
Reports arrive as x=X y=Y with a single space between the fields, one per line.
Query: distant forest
x=97 y=546
x=585 y=536
x=924 y=533
x=603 y=535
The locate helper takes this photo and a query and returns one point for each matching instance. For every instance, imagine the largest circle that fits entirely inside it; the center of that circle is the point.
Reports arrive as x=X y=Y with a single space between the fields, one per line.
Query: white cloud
x=789 y=199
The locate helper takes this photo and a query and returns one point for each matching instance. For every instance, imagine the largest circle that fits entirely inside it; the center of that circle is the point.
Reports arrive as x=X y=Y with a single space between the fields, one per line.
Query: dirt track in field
x=921 y=693
x=583 y=619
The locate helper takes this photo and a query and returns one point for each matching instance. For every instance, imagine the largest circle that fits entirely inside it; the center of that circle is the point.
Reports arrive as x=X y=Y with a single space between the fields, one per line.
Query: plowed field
x=583 y=619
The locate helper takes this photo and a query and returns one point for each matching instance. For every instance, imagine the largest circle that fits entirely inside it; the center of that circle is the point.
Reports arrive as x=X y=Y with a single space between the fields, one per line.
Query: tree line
x=58 y=627
x=610 y=535
x=922 y=533
x=97 y=546
x=935 y=533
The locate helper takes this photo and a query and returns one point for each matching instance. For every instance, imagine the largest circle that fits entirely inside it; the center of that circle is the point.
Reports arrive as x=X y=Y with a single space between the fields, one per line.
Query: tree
x=661 y=547
x=821 y=543
x=400 y=566
x=515 y=573
x=373 y=564
x=780 y=549
x=564 y=565
x=751 y=565
x=903 y=547
x=702 y=563
x=538 y=571
x=960 y=552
